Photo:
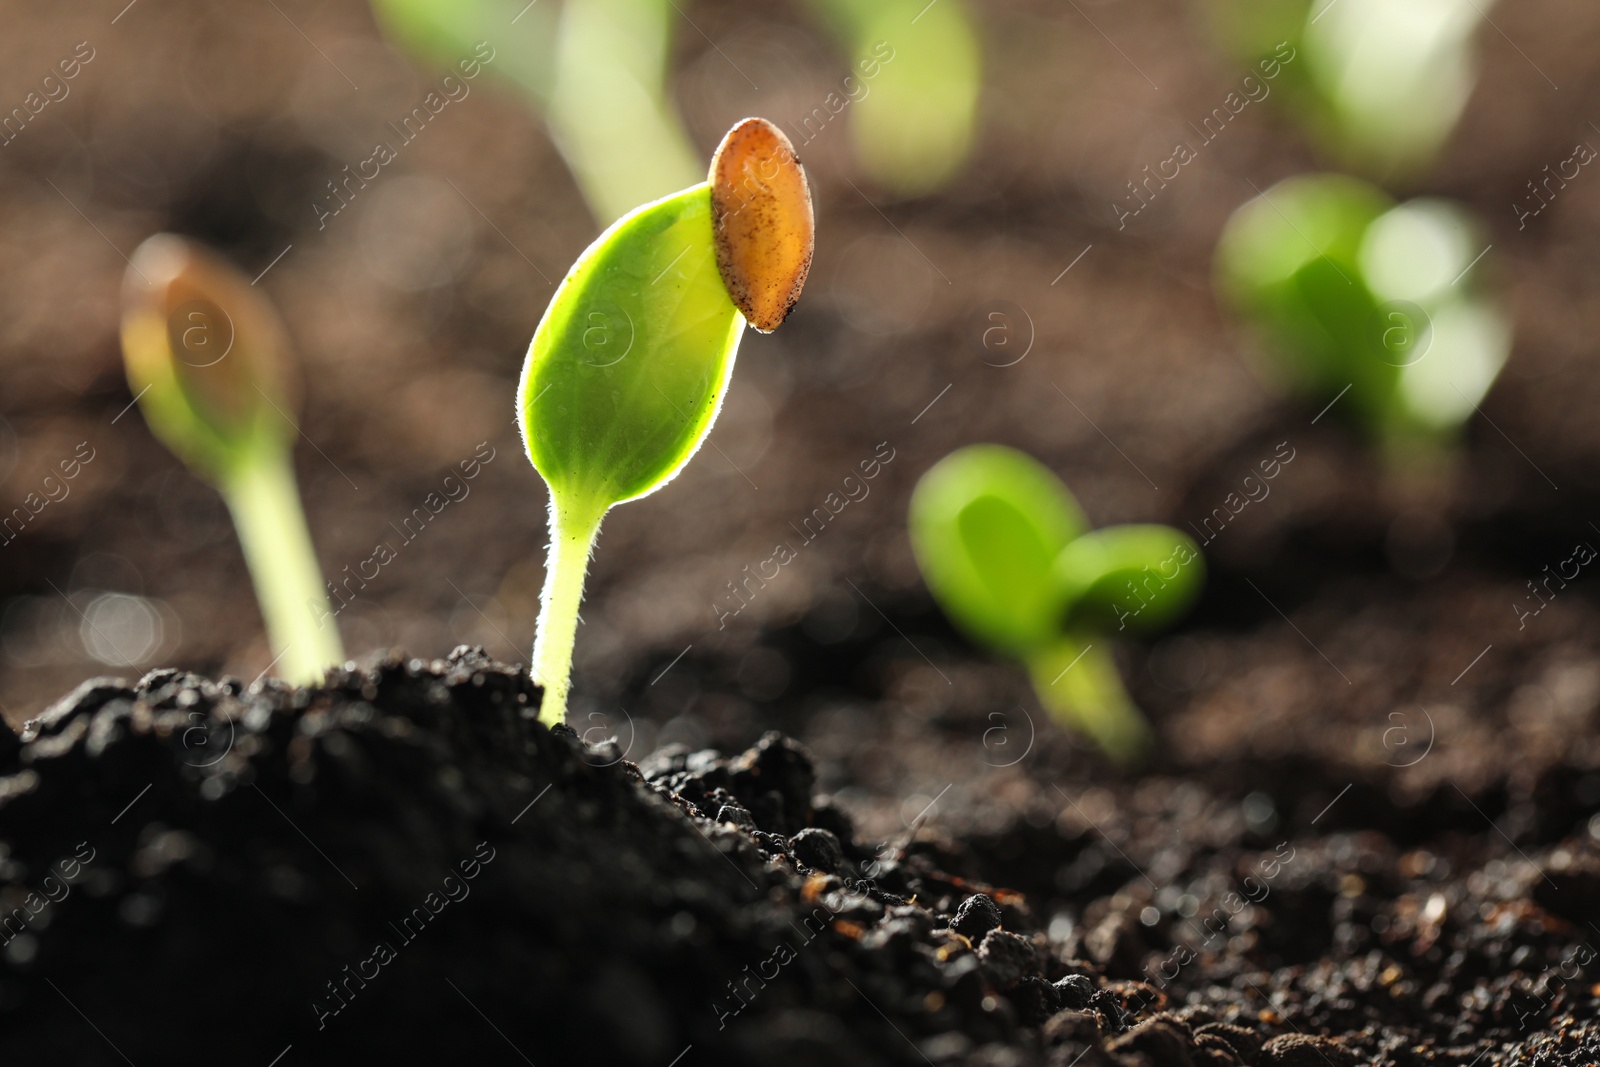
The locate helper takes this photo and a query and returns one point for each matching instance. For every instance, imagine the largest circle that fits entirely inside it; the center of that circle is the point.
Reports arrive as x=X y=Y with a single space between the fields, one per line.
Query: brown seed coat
x=762 y=221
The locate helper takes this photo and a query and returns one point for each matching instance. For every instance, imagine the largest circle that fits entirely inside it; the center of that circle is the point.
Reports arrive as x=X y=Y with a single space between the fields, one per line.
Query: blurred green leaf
x=1379 y=84
x=1010 y=558
x=609 y=107
x=595 y=68
x=1141 y=577
x=1350 y=291
x=207 y=356
x=209 y=364
x=442 y=32
x=987 y=523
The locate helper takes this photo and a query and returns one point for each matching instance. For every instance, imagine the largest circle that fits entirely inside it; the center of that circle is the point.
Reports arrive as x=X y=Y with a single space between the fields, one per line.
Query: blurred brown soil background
x=413 y=306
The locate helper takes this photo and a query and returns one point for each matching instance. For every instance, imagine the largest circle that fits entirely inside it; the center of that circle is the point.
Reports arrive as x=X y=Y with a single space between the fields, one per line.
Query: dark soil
x=214 y=868
x=1385 y=784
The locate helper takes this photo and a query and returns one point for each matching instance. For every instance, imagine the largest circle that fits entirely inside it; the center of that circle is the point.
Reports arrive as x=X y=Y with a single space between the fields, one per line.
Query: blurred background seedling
x=662 y=297
x=1378 y=84
x=1011 y=558
x=917 y=70
x=596 y=70
x=209 y=362
x=1375 y=304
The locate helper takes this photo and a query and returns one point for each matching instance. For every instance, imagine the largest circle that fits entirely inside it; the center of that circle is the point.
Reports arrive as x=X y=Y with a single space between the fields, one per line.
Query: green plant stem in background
x=608 y=105
x=1077 y=680
x=915 y=81
x=266 y=510
x=209 y=364
x=596 y=70
x=573 y=531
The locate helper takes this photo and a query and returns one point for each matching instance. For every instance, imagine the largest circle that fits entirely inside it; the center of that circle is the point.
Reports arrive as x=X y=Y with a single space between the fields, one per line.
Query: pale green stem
x=272 y=530
x=572 y=534
x=1077 y=681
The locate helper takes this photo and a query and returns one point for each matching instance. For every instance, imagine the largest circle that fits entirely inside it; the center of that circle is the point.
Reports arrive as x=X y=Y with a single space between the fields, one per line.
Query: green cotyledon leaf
x=632 y=358
x=987 y=523
x=1136 y=578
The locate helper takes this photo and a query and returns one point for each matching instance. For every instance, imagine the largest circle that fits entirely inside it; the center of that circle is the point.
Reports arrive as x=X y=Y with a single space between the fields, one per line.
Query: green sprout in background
x=1379 y=84
x=208 y=360
x=597 y=70
x=1350 y=291
x=1010 y=557
x=914 y=94
x=630 y=363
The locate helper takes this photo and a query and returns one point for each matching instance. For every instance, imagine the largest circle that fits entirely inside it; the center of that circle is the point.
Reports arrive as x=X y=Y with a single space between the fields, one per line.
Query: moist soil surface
x=403 y=865
x=1368 y=833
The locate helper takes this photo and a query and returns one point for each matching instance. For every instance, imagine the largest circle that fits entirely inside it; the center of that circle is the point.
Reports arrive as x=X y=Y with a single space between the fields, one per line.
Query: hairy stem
x=572 y=535
x=272 y=530
x=1077 y=681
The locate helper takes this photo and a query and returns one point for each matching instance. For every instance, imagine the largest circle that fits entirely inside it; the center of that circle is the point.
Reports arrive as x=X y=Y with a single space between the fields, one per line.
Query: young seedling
x=911 y=100
x=1350 y=291
x=1010 y=557
x=595 y=70
x=628 y=367
x=1378 y=84
x=208 y=360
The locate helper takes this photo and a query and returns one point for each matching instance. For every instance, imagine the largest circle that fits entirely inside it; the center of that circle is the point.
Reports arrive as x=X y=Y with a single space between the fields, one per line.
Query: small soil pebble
x=1035 y=999
x=976 y=916
x=1305 y=1050
x=1006 y=957
x=817 y=848
x=1075 y=991
x=1161 y=1040
x=1244 y=1044
x=732 y=813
